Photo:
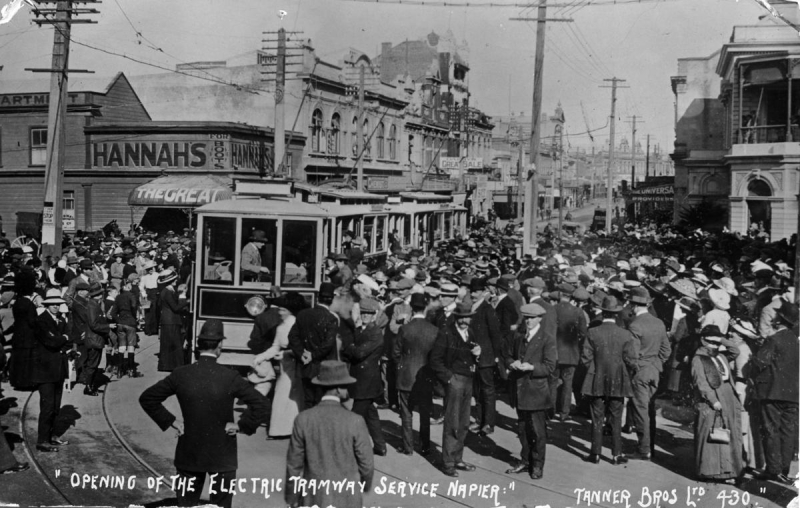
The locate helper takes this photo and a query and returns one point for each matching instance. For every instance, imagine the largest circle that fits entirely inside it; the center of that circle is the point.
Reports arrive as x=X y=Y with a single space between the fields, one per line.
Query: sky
x=638 y=42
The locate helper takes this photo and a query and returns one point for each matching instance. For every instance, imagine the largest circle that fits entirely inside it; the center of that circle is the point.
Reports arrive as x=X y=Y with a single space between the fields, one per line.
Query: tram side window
x=369 y=223
x=380 y=233
x=299 y=253
x=259 y=238
x=406 y=231
x=219 y=238
x=448 y=225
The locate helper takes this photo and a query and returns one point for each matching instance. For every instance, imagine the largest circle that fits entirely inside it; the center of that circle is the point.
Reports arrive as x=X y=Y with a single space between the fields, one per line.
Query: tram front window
x=299 y=253
x=380 y=231
x=219 y=238
x=258 y=250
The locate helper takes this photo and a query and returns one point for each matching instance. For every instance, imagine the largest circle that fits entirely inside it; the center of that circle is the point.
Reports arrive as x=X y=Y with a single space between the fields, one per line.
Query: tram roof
x=289 y=207
x=425 y=196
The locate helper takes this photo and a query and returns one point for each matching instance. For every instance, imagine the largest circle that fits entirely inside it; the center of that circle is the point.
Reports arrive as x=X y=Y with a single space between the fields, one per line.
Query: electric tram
x=297 y=226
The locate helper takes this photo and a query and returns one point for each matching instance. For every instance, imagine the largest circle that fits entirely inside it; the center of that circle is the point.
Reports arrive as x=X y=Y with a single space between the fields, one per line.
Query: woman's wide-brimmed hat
x=685 y=287
x=728 y=285
x=167 y=276
x=720 y=298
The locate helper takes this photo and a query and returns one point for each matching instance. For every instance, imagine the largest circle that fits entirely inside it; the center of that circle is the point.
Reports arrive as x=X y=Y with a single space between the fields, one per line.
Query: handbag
x=94 y=341
x=720 y=435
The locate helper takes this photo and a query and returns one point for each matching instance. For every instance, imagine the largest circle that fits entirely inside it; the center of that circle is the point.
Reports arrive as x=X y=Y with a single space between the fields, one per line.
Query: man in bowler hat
x=206 y=392
x=329 y=443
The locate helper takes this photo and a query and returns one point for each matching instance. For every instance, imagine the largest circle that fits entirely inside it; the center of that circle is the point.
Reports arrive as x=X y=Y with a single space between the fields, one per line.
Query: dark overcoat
x=775 y=367
x=206 y=393
x=52 y=338
x=364 y=355
x=530 y=389
x=172 y=307
x=485 y=330
x=411 y=350
x=507 y=314
x=23 y=343
x=654 y=347
x=609 y=354
x=570 y=333
x=314 y=330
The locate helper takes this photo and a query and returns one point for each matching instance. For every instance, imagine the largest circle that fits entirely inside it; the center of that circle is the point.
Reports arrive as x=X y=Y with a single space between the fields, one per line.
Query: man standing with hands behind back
x=206 y=392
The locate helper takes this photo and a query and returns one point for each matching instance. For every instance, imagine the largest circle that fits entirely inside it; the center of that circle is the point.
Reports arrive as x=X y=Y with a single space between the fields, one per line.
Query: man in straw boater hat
x=329 y=443
x=774 y=370
x=206 y=392
x=609 y=353
x=654 y=350
x=454 y=358
x=531 y=360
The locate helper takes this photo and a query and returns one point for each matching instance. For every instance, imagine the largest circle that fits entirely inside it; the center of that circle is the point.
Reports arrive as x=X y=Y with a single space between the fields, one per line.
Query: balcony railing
x=768 y=134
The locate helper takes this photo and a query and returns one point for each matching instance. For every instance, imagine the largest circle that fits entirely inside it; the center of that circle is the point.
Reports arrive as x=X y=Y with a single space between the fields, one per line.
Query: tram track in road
x=118 y=440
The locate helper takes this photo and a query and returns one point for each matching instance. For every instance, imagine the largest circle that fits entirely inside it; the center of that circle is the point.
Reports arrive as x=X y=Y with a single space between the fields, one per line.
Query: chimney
x=444 y=67
x=385 y=48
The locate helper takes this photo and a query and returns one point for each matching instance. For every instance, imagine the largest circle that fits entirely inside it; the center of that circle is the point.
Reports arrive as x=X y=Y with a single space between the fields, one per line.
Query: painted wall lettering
x=170 y=155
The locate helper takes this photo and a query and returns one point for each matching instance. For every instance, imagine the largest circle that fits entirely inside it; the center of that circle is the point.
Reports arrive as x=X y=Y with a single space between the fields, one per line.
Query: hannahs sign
x=176 y=155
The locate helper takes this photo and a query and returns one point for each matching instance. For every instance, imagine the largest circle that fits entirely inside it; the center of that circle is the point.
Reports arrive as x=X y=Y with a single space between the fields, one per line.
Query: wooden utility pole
x=279 y=72
x=560 y=182
x=610 y=178
x=360 y=131
x=532 y=187
x=521 y=173
x=280 y=85
x=647 y=160
x=61 y=19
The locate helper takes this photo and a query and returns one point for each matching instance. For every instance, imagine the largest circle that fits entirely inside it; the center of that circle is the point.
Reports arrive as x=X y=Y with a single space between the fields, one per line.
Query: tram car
x=293 y=227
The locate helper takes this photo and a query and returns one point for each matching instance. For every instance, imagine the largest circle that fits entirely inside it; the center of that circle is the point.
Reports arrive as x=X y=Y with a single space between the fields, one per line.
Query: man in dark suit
x=536 y=287
x=608 y=353
x=485 y=331
x=531 y=359
x=90 y=331
x=506 y=308
x=414 y=376
x=312 y=339
x=364 y=355
x=570 y=333
x=329 y=443
x=775 y=368
x=454 y=358
x=50 y=369
x=206 y=392
x=654 y=350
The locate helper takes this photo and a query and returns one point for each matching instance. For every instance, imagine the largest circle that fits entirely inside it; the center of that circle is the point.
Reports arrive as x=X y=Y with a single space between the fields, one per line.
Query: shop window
x=68 y=210
x=393 y=142
x=380 y=139
x=316 y=130
x=219 y=241
x=367 y=141
x=299 y=261
x=333 y=135
x=354 y=137
x=38 y=146
x=380 y=233
x=258 y=251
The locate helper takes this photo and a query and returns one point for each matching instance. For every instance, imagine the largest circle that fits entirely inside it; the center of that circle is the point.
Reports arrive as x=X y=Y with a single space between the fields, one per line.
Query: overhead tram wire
x=581 y=36
x=240 y=87
x=586 y=54
x=479 y=4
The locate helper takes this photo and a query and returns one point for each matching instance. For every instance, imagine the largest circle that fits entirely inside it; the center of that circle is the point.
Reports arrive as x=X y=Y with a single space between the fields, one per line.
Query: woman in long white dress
x=287 y=400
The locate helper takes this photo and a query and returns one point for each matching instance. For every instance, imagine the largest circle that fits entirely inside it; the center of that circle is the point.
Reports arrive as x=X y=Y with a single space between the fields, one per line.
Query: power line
x=444 y=3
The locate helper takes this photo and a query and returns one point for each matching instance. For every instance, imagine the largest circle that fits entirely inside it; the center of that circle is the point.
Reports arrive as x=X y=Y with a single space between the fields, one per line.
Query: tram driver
x=252 y=270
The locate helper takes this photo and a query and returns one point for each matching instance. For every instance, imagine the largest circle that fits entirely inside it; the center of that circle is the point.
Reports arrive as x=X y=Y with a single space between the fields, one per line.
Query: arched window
x=367 y=142
x=393 y=142
x=380 y=147
x=333 y=135
x=354 y=137
x=759 y=188
x=316 y=130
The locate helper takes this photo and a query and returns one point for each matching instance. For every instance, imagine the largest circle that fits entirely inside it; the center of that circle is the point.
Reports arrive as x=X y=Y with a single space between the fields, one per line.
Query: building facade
x=740 y=148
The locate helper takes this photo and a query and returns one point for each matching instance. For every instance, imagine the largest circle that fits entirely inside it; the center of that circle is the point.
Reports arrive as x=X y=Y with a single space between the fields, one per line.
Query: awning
x=181 y=191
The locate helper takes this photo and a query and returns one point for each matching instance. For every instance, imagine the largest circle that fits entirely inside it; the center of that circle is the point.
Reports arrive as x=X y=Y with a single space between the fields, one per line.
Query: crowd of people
x=597 y=325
